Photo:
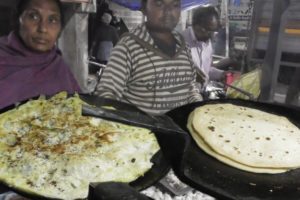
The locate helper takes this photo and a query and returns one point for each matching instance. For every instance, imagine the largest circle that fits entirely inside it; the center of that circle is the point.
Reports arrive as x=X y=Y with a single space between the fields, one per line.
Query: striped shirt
x=140 y=74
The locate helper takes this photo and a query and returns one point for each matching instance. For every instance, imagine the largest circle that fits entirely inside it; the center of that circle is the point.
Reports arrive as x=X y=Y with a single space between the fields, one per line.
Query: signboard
x=185 y=4
x=76 y=1
x=240 y=43
x=241 y=11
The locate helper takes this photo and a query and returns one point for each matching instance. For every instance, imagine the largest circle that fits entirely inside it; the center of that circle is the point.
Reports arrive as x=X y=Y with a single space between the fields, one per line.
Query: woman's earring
x=20 y=20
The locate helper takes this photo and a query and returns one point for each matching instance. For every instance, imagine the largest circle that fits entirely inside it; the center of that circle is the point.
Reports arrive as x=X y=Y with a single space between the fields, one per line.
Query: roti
x=246 y=138
x=207 y=149
x=49 y=149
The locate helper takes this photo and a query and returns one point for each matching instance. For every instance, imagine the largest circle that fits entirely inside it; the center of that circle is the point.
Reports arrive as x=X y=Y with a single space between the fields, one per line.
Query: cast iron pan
x=172 y=144
x=160 y=165
x=222 y=181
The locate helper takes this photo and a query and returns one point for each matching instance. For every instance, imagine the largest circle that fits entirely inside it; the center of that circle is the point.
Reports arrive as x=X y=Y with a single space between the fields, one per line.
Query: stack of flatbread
x=246 y=138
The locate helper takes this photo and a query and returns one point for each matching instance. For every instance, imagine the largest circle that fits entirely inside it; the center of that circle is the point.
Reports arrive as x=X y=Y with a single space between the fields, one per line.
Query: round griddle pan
x=222 y=181
x=160 y=165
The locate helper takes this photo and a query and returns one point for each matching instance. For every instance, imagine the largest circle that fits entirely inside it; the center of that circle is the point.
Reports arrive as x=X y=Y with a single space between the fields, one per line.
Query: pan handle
x=114 y=191
x=248 y=94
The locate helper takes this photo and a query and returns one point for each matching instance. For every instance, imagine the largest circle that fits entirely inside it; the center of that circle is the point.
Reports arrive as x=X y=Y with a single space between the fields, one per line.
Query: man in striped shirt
x=151 y=67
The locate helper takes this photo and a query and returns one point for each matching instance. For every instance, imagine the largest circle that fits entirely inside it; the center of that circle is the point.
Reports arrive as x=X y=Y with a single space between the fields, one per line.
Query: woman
x=30 y=62
x=151 y=67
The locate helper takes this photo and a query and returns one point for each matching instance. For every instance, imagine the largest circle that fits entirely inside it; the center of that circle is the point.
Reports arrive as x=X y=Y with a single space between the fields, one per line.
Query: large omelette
x=49 y=149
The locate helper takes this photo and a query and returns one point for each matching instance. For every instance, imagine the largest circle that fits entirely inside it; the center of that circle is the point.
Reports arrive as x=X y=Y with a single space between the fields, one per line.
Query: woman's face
x=162 y=15
x=40 y=25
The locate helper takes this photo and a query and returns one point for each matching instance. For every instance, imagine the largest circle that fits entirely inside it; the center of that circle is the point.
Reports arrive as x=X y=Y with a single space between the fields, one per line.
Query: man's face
x=204 y=33
x=162 y=15
x=40 y=25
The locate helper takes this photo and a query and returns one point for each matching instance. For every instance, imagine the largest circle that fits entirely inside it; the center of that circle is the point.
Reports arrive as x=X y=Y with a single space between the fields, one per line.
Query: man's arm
x=216 y=74
x=195 y=93
x=115 y=75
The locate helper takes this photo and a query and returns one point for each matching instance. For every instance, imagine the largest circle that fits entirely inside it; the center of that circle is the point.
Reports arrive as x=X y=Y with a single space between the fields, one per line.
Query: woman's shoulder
x=5 y=46
x=3 y=39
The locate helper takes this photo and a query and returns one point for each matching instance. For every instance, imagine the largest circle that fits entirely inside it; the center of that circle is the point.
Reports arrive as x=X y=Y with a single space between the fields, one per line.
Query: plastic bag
x=249 y=82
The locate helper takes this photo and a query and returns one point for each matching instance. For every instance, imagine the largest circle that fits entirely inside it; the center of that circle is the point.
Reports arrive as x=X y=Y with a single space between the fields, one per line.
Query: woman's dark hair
x=21 y=6
x=202 y=15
